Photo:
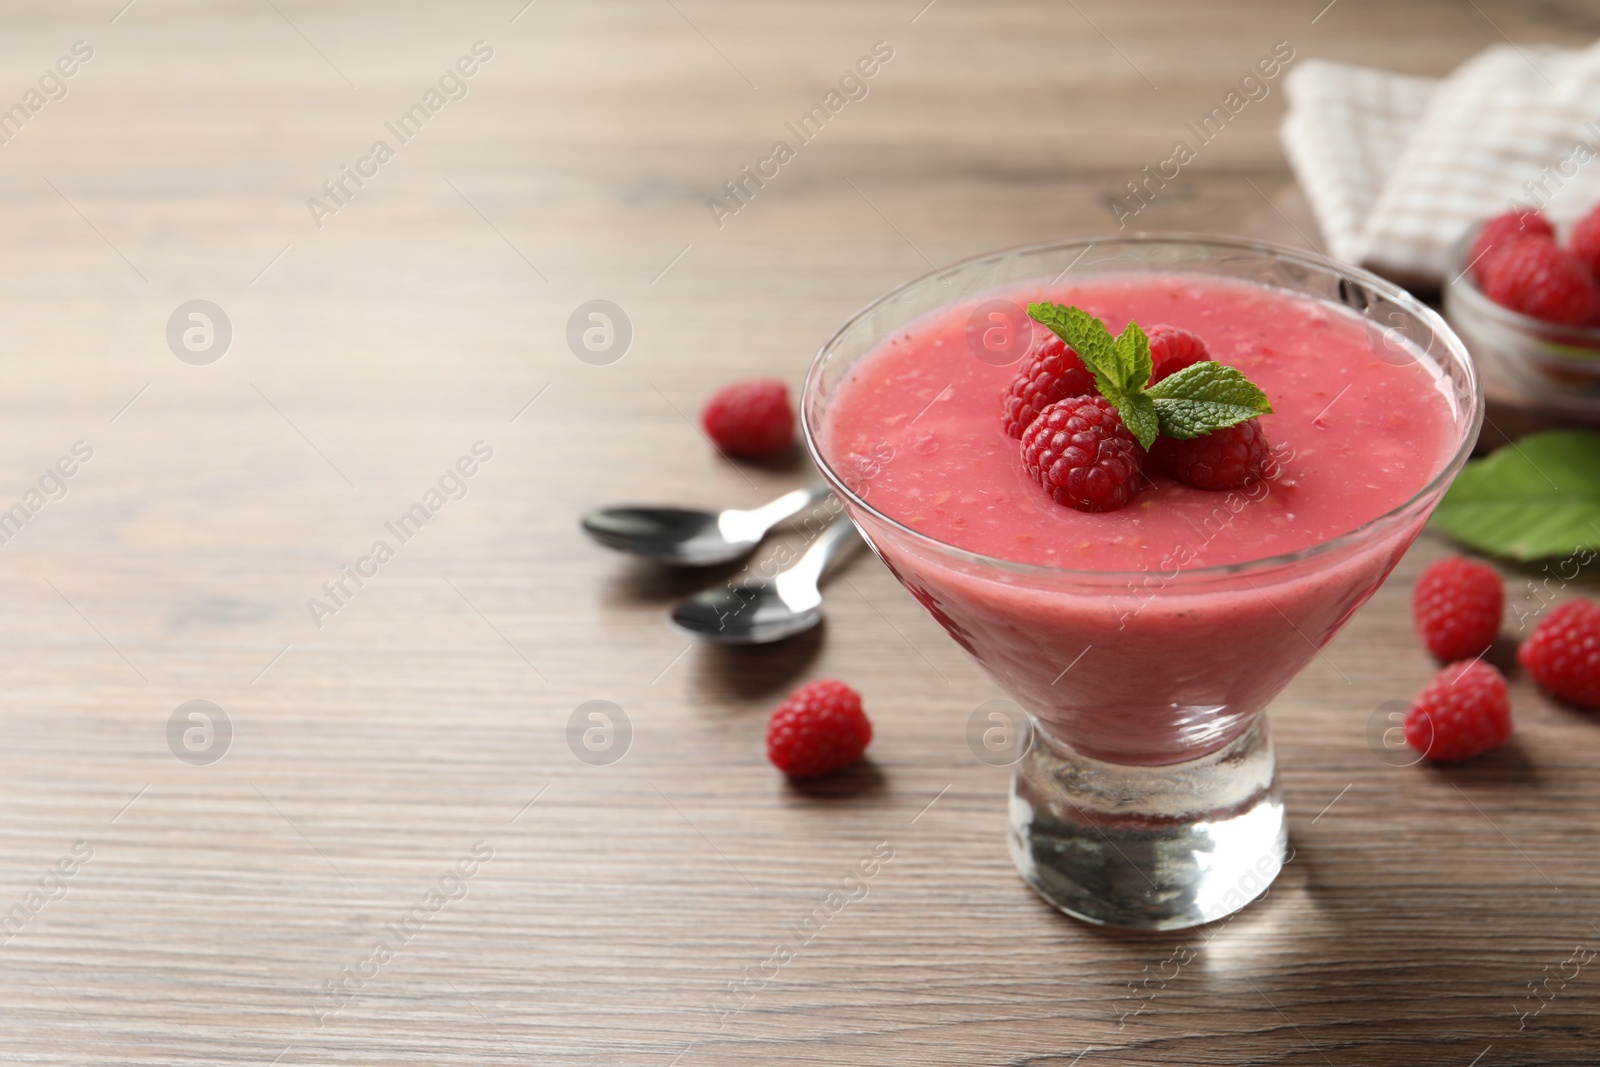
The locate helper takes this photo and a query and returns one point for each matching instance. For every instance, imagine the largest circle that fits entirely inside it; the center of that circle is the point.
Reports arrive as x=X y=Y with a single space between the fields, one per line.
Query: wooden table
x=411 y=737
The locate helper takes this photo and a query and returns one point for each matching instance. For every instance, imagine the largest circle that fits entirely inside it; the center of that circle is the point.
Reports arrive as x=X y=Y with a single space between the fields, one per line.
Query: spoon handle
x=833 y=541
x=787 y=506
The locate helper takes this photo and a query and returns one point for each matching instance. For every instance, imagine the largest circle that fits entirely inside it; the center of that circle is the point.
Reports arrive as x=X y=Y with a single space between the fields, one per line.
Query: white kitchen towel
x=1346 y=128
x=1514 y=126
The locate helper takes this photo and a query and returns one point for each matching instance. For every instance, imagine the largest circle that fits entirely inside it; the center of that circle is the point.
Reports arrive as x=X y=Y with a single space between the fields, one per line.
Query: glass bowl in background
x=1558 y=365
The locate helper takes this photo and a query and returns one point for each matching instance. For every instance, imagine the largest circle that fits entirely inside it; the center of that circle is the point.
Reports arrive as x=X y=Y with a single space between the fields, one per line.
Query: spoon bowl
x=760 y=612
x=670 y=535
x=744 y=615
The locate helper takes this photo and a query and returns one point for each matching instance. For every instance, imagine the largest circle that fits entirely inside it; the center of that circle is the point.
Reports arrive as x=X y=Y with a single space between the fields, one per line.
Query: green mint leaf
x=1205 y=397
x=1183 y=419
x=1535 y=499
x=1133 y=353
x=1140 y=416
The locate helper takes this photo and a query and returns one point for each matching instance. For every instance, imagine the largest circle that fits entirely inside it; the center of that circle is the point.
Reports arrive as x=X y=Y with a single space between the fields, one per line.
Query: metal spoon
x=755 y=613
x=694 y=538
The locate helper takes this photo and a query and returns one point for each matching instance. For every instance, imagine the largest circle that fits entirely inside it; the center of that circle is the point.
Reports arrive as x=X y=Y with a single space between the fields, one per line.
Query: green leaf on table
x=1533 y=499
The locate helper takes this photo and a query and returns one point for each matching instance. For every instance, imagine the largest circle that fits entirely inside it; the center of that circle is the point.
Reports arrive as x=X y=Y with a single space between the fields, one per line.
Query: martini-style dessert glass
x=1144 y=636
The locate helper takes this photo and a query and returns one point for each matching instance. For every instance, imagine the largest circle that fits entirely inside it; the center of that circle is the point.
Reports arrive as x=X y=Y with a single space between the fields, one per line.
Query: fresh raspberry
x=1535 y=277
x=1563 y=655
x=1079 y=450
x=819 y=728
x=1222 y=459
x=1503 y=231
x=751 y=418
x=1584 y=240
x=1456 y=606
x=1172 y=349
x=1465 y=711
x=1053 y=373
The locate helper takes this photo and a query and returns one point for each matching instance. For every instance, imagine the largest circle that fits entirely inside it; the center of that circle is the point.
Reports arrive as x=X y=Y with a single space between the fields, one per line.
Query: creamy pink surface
x=1365 y=434
x=1147 y=659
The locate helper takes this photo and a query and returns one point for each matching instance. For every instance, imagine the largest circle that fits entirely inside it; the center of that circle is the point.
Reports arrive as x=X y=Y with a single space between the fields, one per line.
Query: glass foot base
x=1151 y=848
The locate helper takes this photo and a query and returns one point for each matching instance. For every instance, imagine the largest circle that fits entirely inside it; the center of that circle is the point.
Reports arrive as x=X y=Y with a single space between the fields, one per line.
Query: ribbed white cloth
x=1346 y=127
x=1396 y=167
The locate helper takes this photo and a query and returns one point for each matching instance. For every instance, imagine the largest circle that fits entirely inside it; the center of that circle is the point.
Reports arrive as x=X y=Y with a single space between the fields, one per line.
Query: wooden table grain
x=399 y=857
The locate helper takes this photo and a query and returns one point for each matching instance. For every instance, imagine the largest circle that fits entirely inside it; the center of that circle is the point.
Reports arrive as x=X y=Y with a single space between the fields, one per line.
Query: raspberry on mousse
x=1172 y=349
x=1083 y=455
x=1229 y=458
x=1052 y=373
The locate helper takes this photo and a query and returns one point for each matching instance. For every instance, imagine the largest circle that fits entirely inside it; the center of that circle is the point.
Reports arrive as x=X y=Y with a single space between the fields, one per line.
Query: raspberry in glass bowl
x=1557 y=364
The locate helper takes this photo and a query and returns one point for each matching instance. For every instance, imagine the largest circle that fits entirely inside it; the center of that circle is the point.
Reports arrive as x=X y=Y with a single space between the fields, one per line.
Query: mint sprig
x=1195 y=401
